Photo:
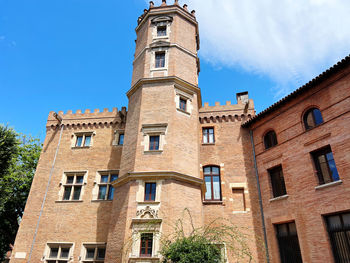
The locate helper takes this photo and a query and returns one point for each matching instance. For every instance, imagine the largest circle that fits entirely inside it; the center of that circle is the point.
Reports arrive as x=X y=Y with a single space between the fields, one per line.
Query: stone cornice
x=179 y=83
x=159 y=175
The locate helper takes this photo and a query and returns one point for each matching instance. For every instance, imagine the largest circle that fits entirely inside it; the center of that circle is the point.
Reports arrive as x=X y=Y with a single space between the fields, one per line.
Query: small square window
x=154 y=143
x=105 y=188
x=277 y=181
x=94 y=253
x=325 y=165
x=73 y=186
x=208 y=135
x=150 y=191
x=161 y=31
x=160 y=59
x=58 y=253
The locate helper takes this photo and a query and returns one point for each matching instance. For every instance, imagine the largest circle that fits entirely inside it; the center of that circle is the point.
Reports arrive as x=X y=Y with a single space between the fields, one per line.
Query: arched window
x=312 y=118
x=270 y=139
x=212 y=183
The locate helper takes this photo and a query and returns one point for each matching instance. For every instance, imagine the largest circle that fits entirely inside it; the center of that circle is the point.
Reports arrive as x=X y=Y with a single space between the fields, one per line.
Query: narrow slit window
x=150 y=191
x=277 y=181
x=154 y=143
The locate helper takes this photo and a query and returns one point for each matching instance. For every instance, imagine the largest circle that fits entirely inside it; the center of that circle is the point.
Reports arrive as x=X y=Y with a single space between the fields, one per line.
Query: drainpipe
x=260 y=199
x=59 y=119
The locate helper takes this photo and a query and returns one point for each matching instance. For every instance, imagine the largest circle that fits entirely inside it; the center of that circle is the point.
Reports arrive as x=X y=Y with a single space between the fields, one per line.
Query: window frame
x=152 y=187
x=182 y=99
x=108 y=184
x=268 y=141
x=159 y=63
x=280 y=184
x=82 y=135
x=211 y=175
x=318 y=170
x=73 y=186
x=121 y=135
x=155 y=145
x=60 y=246
x=147 y=244
x=162 y=35
x=208 y=134
x=95 y=258
x=311 y=111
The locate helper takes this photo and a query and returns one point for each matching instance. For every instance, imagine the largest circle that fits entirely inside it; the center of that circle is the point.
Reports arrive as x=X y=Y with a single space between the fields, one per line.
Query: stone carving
x=147 y=212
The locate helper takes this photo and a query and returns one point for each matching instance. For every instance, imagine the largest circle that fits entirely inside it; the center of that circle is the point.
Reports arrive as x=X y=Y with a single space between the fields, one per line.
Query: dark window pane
x=277 y=182
x=87 y=140
x=111 y=193
x=90 y=253
x=102 y=192
x=101 y=253
x=53 y=252
x=332 y=167
x=317 y=116
x=146 y=245
x=325 y=165
x=121 y=139
x=183 y=104
x=154 y=143
x=67 y=191
x=161 y=31
x=150 y=191
x=64 y=252
x=76 y=194
x=113 y=177
x=270 y=139
x=160 y=60
x=104 y=178
x=70 y=179
x=80 y=179
x=79 y=141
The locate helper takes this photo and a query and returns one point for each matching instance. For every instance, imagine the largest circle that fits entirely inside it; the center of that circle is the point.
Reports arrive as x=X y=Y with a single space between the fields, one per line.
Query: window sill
x=160 y=38
x=159 y=69
x=143 y=259
x=213 y=203
x=69 y=201
x=98 y=201
x=209 y=143
x=282 y=197
x=148 y=203
x=82 y=147
x=240 y=212
x=153 y=152
x=183 y=111
x=328 y=185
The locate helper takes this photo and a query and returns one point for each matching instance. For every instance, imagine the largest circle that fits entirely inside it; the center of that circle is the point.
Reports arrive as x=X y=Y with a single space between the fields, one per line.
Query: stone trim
x=319 y=187
x=278 y=198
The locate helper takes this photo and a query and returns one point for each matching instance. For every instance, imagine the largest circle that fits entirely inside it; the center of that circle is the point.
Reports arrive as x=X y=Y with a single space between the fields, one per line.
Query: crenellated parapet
x=87 y=118
x=164 y=4
x=242 y=111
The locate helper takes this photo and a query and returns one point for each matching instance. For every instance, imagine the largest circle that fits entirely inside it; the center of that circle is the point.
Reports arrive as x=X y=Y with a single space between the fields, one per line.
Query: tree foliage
x=19 y=156
x=207 y=244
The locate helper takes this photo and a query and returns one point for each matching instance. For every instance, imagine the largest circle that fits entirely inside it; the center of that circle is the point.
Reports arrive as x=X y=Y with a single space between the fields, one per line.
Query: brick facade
x=165 y=143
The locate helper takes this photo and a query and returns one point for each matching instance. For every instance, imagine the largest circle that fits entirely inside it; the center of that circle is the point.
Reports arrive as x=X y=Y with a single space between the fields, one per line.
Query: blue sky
x=77 y=54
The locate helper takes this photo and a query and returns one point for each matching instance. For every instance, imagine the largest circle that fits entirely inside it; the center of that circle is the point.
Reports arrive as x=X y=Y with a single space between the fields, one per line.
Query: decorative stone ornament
x=147 y=213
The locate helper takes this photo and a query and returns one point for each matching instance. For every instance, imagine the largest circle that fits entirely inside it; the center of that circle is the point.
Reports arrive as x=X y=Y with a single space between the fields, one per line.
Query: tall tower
x=159 y=172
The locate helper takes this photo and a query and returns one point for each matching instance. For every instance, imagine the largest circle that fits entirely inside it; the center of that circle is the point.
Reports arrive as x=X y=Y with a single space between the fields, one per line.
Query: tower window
x=105 y=189
x=160 y=59
x=83 y=140
x=150 y=191
x=208 y=135
x=183 y=103
x=212 y=183
x=161 y=31
x=146 y=245
x=121 y=139
x=154 y=143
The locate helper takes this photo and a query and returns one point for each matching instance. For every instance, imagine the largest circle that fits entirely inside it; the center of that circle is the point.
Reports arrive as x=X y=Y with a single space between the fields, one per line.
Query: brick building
x=104 y=177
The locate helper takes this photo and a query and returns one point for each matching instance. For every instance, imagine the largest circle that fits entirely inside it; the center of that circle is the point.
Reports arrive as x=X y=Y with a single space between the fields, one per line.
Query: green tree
x=19 y=156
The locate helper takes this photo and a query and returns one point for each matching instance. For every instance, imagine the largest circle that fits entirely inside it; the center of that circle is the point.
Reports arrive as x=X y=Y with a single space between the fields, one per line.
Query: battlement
x=243 y=110
x=87 y=117
x=164 y=4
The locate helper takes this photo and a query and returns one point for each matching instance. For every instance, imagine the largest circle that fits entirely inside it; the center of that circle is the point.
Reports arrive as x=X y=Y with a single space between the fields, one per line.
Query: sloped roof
x=315 y=81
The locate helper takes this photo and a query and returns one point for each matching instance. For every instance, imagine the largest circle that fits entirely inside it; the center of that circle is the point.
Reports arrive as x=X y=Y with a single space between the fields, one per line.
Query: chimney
x=185 y=7
x=151 y=4
x=242 y=97
x=193 y=12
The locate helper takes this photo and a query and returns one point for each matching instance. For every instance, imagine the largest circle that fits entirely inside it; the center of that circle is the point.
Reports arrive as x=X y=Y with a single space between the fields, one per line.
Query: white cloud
x=290 y=41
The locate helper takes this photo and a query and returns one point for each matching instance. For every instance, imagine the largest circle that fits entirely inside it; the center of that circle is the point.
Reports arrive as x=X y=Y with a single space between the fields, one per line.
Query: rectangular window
x=212 y=183
x=105 y=189
x=146 y=245
x=58 y=253
x=160 y=59
x=121 y=139
x=73 y=186
x=83 y=140
x=277 y=181
x=154 y=143
x=94 y=253
x=161 y=31
x=238 y=199
x=325 y=165
x=183 y=103
x=338 y=227
x=288 y=243
x=208 y=135
x=150 y=191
